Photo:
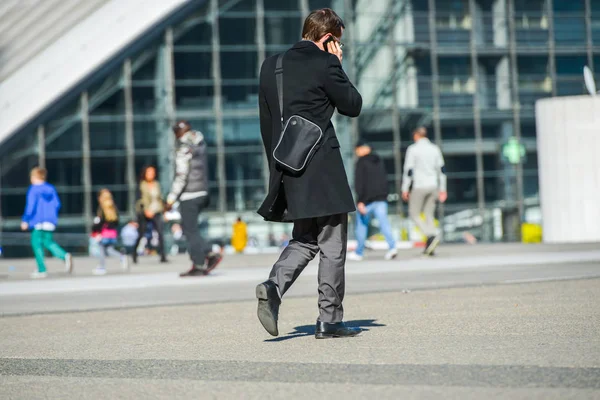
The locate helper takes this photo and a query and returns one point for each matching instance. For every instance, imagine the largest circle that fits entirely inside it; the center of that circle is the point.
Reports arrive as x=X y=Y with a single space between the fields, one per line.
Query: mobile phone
x=326 y=43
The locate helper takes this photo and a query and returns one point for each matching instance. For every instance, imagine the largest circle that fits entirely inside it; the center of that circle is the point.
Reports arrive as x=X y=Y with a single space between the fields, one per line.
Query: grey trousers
x=327 y=236
x=423 y=201
x=197 y=246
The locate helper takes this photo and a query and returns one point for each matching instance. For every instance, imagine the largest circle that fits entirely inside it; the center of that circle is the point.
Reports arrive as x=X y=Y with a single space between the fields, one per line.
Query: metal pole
x=129 y=138
x=477 y=119
x=516 y=102
x=588 y=29
x=261 y=47
x=304 y=8
x=551 y=45
x=435 y=91
x=86 y=168
x=166 y=81
x=41 y=142
x=351 y=63
x=218 y=105
x=396 y=123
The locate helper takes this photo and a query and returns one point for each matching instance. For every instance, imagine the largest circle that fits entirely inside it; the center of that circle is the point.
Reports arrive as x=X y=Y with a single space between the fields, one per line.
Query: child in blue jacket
x=41 y=215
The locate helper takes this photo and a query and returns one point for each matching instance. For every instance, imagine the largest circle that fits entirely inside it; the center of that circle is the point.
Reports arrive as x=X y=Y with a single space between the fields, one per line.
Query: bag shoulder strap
x=279 y=78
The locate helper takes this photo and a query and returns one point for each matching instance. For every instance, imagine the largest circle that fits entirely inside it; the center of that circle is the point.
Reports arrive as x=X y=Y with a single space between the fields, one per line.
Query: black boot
x=325 y=330
x=268 y=306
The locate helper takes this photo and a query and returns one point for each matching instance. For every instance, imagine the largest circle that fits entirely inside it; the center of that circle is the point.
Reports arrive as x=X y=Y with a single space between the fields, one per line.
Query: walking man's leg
x=37 y=244
x=332 y=240
x=415 y=207
x=429 y=211
x=159 y=225
x=380 y=209
x=362 y=228
x=203 y=260
x=141 y=232
x=303 y=247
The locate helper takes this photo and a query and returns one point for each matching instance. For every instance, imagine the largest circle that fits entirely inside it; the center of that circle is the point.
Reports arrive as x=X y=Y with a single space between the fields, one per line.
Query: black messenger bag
x=299 y=139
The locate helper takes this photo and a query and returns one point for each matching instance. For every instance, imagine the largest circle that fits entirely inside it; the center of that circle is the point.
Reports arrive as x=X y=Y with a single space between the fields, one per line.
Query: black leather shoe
x=194 y=271
x=325 y=330
x=268 y=306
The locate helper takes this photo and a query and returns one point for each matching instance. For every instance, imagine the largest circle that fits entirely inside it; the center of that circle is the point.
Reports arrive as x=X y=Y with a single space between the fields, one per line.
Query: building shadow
x=309 y=330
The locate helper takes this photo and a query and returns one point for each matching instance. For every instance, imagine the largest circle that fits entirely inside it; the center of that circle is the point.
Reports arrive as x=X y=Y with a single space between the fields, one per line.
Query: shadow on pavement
x=309 y=330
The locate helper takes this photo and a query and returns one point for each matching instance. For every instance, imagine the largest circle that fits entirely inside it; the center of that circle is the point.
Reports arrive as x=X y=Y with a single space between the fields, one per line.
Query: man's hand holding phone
x=332 y=46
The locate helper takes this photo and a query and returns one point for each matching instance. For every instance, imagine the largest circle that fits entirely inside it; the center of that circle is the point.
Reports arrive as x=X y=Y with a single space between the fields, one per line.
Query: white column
x=568 y=140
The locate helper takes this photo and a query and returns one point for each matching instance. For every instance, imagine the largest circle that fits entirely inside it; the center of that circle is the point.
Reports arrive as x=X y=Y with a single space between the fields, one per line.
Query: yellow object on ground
x=239 y=238
x=531 y=233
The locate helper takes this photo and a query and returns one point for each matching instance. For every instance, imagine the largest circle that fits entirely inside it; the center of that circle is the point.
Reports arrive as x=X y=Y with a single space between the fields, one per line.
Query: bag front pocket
x=298 y=142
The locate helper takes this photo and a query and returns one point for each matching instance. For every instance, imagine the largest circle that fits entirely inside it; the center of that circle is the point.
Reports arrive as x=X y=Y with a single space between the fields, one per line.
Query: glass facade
x=469 y=70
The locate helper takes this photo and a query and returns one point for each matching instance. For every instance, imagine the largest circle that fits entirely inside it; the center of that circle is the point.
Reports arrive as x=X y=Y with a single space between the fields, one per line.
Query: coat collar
x=304 y=44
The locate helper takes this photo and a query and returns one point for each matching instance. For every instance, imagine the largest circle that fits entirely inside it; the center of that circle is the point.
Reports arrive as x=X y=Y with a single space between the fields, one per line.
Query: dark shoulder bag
x=299 y=139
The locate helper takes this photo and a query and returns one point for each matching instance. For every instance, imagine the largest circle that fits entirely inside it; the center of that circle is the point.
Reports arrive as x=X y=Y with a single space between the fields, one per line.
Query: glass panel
x=235 y=97
x=192 y=65
x=281 y=5
x=569 y=29
x=239 y=65
x=194 y=97
x=199 y=34
x=237 y=31
x=145 y=134
x=144 y=100
x=107 y=136
x=240 y=132
x=462 y=191
x=108 y=171
x=65 y=171
x=283 y=30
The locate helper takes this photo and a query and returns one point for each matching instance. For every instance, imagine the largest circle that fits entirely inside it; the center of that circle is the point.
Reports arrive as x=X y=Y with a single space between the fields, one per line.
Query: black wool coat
x=314 y=85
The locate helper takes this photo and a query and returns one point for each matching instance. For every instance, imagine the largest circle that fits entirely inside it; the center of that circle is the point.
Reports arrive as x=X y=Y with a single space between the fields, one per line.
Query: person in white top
x=424 y=182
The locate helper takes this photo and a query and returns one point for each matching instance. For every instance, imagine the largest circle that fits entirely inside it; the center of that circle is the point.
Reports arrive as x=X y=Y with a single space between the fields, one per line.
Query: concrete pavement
x=493 y=322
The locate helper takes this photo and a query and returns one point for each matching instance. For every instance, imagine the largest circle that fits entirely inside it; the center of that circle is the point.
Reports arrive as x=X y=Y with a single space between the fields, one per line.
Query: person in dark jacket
x=370 y=183
x=190 y=189
x=319 y=199
x=41 y=215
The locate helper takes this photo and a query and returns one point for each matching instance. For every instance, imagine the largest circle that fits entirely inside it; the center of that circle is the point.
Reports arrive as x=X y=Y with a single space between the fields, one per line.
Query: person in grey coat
x=425 y=177
x=190 y=189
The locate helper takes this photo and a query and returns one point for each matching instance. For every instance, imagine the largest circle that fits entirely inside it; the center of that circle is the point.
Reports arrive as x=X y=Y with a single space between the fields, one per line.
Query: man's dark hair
x=421 y=131
x=181 y=127
x=321 y=22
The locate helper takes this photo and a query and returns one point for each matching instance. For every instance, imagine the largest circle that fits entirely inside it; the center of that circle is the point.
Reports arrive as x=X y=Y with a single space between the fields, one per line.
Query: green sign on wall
x=513 y=151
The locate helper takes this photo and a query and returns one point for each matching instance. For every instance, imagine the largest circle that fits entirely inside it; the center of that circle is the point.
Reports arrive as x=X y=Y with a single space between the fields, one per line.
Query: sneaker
x=124 y=262
x=99 y=271
x=432 y=243
x=391 y=254
x=192 y=272
x=353 y=257
x=38 y=275
x=212 y=261
x=69 y=263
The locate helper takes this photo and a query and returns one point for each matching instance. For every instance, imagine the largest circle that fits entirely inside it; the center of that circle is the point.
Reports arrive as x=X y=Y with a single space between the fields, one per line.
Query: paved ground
x=456 y=327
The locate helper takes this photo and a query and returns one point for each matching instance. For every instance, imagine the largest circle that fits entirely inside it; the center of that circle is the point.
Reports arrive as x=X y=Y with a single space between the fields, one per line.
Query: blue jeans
x=378 y=209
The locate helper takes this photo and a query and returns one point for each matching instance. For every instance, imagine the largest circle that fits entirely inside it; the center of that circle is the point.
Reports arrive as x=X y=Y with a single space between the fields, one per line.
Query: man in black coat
x=319 y=199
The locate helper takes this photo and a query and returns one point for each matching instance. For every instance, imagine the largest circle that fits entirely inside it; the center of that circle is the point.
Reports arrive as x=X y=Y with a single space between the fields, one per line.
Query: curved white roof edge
x=75 y=55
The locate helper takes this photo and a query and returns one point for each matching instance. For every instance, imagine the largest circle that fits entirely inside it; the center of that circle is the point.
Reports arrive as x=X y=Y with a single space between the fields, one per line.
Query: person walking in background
x=130 y=237
x=190 y=188
x=424 y=176
x=41 y=215
x=104 y=230
x=370 y=183
x=239 y=238
x=151 y=209
x=305 y=85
